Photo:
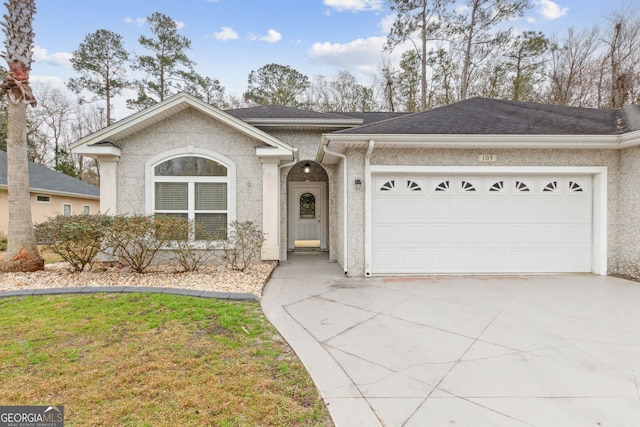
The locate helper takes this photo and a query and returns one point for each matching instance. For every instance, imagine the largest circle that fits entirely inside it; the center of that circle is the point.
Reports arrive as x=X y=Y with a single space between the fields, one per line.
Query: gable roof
x=165 y=109
x=483 y=123
x=483 y=116
x=281 y=116
x=45 y=180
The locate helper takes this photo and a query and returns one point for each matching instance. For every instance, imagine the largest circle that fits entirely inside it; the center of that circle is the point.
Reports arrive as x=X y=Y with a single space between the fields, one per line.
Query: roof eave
x=63 y=193
x=484 y=141
x=341 y=142
x=56 y=192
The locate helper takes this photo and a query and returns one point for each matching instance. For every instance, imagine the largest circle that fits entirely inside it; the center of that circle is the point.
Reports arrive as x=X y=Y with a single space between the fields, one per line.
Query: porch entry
x=307 y=215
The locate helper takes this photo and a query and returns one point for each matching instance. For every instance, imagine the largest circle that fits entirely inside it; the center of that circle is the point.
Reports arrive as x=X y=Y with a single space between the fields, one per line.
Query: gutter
x=367 y=209
x=345 y=213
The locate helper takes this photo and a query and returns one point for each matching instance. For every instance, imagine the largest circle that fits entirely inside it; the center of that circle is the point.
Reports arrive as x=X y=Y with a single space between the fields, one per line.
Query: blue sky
x=230 y=38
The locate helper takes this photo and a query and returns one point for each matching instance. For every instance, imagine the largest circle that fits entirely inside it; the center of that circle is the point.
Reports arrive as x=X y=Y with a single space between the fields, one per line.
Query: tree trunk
x=22 y=251
x=466 y=65
x=423 y=60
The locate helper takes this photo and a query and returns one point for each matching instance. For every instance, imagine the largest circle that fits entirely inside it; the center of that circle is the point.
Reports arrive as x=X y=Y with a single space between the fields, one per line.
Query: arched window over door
x=307 y=206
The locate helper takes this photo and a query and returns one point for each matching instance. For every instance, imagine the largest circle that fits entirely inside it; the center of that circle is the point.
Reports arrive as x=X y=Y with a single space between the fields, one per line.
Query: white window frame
x=43 y=201
x=64 y=205
x=86 y=209
x=191 y=151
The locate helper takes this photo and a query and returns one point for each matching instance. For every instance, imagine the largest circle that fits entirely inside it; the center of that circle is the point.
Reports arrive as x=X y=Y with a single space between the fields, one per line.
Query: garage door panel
x=390 y=234
x=516 y=227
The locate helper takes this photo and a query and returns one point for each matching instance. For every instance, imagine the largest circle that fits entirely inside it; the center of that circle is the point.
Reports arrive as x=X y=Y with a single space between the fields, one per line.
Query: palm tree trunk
x=22 y=251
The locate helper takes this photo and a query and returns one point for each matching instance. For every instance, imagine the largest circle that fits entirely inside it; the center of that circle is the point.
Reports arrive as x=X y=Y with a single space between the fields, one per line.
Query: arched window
x=195 y=188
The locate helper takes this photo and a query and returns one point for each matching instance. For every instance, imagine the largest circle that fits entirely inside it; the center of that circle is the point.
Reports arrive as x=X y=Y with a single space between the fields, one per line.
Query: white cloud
x=354 y=5
x=48 y=81
x=138 y=22
x=225 y=33
x=550 y=10
x=360 y=54
x=41 y=54
x=387 y=22
x=272 y=37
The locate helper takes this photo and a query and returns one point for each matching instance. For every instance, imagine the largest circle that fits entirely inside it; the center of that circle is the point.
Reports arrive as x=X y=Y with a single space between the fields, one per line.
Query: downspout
x=296 y=159
x=367 y=209
x=345 y=249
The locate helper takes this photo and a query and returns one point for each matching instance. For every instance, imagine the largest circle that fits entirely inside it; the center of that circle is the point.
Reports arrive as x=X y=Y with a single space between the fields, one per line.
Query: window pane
x=211 y=196
x=208 y=225
x=86 y=210
x=307 y=206
x=66 y=209
x=172 y=196
x=190 y=166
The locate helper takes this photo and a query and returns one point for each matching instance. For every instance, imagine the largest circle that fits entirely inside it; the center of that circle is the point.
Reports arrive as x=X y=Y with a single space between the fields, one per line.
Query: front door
x=307 y=215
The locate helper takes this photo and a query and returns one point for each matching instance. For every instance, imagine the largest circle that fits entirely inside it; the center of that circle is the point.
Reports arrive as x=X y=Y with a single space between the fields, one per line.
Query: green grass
x=152 y=360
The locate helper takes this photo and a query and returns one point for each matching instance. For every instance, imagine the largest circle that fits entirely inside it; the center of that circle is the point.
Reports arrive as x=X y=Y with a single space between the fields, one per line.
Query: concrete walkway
x=462 y=350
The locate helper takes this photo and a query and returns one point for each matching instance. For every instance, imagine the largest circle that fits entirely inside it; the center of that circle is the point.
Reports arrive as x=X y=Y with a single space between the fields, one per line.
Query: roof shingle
x=43 y=178
x=496 y=117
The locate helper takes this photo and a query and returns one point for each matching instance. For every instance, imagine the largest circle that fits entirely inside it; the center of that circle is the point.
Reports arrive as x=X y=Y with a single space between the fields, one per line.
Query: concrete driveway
x=463 y=350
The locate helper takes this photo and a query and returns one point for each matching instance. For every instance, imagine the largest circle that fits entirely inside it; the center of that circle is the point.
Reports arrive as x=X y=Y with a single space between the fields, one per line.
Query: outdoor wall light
x=358 y=183
x=307 y=168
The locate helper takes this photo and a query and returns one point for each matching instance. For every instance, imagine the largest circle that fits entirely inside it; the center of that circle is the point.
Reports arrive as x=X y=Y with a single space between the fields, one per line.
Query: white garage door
x=481 y=224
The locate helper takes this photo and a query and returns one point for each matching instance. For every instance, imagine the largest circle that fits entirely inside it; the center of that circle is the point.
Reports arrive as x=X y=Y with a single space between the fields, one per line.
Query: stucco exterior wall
x=190 y=128
x=457 y=157
x=307 y=144
x=41 y=211
x=628 y=214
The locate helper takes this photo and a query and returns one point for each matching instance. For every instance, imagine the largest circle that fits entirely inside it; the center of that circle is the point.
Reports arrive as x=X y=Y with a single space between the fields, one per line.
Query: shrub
x=243 y=244
x=3 y=242
x=188 y=254
x=77 y=239
x=136 y=239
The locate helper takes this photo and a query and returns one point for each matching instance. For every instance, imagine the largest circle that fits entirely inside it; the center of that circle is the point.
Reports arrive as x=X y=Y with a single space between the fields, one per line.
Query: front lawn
x=152 y=360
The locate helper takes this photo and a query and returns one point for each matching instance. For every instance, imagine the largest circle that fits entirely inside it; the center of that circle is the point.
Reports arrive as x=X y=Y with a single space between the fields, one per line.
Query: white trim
x=190 y=150
x=339 y=143
x=492 y=170
x=599 y=174
x=345 y=205
x=270 y=209
x=64 y=205
x=86 y=208
x=48 y=201
x=319 y=186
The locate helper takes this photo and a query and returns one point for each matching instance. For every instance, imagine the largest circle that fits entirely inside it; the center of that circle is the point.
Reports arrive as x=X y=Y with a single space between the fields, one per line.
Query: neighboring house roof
x=496 y=117
x=163 y=110
x=45 y=180
x=281 y=116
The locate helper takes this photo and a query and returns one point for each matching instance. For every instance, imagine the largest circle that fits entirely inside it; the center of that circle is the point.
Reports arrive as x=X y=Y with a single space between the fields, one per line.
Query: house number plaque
x=487 y=158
